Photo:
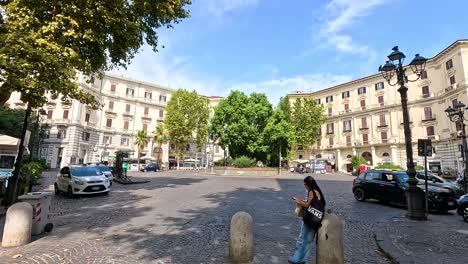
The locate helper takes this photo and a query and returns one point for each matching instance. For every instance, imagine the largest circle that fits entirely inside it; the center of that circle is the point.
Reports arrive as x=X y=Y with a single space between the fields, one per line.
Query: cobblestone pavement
x=183 y=217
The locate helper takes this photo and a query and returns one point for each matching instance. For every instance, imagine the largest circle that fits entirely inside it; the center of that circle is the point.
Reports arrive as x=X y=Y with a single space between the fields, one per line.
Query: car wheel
x=106 y=193
x=465 y=214
x=56 y=189
x=359 y=194
x=70 y=193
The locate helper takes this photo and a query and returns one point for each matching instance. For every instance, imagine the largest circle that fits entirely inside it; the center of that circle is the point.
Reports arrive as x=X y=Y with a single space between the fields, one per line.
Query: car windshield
x=103 y=168
x=85 y=171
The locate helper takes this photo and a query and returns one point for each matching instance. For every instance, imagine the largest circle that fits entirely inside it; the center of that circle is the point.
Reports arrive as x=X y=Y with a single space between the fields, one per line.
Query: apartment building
x=364 y=116
x=78 y=134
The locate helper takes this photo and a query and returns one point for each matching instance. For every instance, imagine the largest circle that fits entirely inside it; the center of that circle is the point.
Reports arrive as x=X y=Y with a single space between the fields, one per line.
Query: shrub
x=244 y=162
x=419 y=168
x=221 y=162
x=357 y=160
x=388 y=166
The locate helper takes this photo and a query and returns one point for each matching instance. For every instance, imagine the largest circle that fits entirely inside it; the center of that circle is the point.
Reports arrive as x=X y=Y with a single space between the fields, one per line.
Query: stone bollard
x=330 y=241
x=241 y=238
x=18 y=225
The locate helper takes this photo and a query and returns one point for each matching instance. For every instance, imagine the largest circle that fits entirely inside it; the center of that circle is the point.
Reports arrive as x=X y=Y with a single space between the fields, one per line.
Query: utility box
x=40 y=202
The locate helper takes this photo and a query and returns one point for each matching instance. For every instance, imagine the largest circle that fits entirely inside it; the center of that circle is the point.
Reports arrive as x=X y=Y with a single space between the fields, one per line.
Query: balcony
x=433 y=137
x=364 y=128
x=126 y=130
x=62 y=122
x=329 y=146
x=128 y=113
x=349 y=144
x=382 y=125
x=451 y=87
x=428 y=118
x=429 y=95
x=110 y=111
x=365 y=143
x=384 y=141
x=109 y=129
x=345 y=130
x=330 y=132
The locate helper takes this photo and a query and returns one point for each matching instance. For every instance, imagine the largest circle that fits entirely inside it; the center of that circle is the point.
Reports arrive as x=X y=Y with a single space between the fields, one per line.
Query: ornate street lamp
x=415 y=197
x=457 y=114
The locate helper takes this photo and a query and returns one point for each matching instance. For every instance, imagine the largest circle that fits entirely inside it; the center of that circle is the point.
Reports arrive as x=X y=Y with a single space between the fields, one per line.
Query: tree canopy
x=307 y=119
x=239 y=121
x=44 y=43
x=186 y=120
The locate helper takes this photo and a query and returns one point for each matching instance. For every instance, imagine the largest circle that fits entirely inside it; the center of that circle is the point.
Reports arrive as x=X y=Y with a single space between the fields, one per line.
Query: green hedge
x=388 y=166
x=244 y=162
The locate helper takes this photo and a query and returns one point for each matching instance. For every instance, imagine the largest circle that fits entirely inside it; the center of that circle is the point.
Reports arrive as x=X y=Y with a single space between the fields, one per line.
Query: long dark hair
x=312 y=184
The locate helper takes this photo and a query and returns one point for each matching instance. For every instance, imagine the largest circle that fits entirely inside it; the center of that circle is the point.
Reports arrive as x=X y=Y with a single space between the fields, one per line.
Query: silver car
x=435 y=180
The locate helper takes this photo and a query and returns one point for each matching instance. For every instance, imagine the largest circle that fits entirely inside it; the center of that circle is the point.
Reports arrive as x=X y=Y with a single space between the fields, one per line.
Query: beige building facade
x=364 y=116
x=78 y=134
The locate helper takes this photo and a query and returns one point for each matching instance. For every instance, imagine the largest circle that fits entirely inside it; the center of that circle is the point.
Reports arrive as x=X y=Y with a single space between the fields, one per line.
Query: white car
x=106 y=171
x=81 y=179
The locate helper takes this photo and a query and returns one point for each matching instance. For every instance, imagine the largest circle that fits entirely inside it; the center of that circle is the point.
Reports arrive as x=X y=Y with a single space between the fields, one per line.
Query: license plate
x=95 y=188
x=450 y=203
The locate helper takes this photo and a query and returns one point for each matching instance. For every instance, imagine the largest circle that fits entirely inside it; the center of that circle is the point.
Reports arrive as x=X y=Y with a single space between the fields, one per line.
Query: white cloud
x=276 y=88
x=220 y=7
x=339 y=16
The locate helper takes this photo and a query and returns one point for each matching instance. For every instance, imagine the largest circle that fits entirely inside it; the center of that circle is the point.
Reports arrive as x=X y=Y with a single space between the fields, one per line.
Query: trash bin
x=40 y=202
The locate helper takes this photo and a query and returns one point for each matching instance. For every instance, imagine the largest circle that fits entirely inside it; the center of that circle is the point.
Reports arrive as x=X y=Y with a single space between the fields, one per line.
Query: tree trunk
x=4 y=96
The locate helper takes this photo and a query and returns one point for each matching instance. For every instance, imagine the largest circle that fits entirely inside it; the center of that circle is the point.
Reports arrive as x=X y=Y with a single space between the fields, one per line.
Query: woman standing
x=306 y=237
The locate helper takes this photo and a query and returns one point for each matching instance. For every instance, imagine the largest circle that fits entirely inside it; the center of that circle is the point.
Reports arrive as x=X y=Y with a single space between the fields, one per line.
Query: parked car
x=390 y=186
x=106 y=171
x=81 y=179
x=463 y=207
x=435 y=180
x=151 y=167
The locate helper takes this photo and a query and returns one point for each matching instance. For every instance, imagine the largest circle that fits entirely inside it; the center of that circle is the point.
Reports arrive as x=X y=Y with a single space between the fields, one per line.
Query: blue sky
x=277 y=46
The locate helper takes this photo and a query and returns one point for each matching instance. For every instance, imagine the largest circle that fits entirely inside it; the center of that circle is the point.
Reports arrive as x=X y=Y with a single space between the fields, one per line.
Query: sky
x=278 y=47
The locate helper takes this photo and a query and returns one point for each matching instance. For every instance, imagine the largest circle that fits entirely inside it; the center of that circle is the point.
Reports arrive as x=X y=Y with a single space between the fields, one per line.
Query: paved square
x=183 y=217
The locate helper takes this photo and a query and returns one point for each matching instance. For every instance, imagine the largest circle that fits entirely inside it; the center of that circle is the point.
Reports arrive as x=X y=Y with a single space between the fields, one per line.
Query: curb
x=389 y=250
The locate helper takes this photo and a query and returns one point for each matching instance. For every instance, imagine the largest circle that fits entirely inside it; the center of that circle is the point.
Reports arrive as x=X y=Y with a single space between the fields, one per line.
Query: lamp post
x=457 y=114
x=415 y=197
x=33 y=135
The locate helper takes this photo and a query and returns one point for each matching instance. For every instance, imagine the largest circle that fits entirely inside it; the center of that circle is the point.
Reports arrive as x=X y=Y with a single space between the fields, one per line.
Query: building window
x=145 y=127
x=430 y=131
x=319 y=142
x=452 y=80
x=365 y=139
x=217 y=149
x=364 y=122
x=449 y=64
x=148 y=95
x=381 y=100
x=383 y=136
x=87 y=116
x=125 y=125
x=348 y=140
x=385 y=155
x=111 y=105
x=300 y=147
x=427 y=113
x=317 y=101
x=459 y=125
x=62 y=133
x=379 y=86
x=361 y=90
x=330 y=142
x=127 y=108
x=130 y=92
x=113 y=87
x=330 y=111
x=85 y=136
x=424 y=75
x=162 y=98
x=124 y=141
x=345 y=94
x=109 y=122
x=425 y=91
x=65 y=114
x=347 y=125
x=382 y=120
x=49 y=114
x=346 y=108
x=330 y=128
x=454 y=102
x=107 y=140
x=161 y=113
x=146 y=111
x=329 y=99
x=187 y=147
x=363 y=104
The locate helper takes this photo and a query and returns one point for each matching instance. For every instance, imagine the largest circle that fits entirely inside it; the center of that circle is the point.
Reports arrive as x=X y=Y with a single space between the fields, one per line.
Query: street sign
x=424 y=147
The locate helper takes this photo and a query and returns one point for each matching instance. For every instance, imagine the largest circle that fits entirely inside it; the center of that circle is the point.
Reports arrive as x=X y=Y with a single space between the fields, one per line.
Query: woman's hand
x=297 y=200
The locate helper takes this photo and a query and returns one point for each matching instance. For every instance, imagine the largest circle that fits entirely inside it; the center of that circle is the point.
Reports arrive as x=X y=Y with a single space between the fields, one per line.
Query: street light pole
x=415 y=197
x=457 y=114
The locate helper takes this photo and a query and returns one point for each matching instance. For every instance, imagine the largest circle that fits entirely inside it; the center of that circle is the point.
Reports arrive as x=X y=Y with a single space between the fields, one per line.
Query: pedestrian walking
x=314 y=207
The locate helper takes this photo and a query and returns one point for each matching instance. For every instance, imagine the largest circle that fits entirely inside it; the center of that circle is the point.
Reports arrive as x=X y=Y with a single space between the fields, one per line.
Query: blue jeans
x=303 y=245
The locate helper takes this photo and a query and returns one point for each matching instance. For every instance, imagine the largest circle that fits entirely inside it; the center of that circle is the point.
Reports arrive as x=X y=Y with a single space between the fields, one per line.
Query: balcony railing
x=330 y=132
x=364 y=128
x=428 y=118
x=383 y=125
x=384 y=141
x=347 y=129
x=62 y=121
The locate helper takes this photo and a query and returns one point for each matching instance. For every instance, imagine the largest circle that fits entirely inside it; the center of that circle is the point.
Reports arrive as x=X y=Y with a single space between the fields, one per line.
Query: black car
x=390 y=186
x=463 y=207
x=151 y=167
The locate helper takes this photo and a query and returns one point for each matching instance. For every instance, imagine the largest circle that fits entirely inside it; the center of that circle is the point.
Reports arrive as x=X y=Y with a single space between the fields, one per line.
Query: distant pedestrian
x=308 y=231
